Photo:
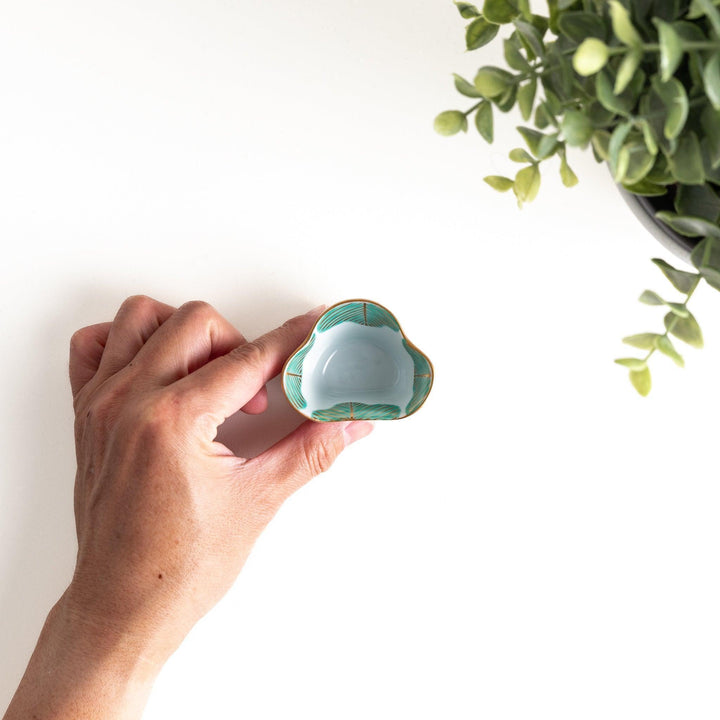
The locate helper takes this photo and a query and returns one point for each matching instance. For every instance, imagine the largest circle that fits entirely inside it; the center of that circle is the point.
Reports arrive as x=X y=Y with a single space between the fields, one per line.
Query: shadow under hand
x=249 y=435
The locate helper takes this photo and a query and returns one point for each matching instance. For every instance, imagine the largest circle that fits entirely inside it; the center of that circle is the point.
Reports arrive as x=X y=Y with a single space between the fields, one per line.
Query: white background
x=538 y=541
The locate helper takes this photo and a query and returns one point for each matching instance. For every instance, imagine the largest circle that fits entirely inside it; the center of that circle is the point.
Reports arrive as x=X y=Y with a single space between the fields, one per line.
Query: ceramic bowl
x=357 y=364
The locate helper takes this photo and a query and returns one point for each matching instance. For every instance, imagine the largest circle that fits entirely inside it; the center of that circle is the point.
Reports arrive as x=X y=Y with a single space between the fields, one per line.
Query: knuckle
x=156 y=412
x=198 y=309
x=250 y=354
x=137 y=304
x=319 y=455
x=80 y=339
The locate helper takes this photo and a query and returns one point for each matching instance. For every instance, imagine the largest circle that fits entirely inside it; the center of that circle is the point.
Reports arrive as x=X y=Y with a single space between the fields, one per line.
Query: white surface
x=537 y=541
x=354 y=363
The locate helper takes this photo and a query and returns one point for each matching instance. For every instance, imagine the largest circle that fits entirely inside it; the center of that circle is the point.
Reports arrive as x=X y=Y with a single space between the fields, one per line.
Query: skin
x=165 y=515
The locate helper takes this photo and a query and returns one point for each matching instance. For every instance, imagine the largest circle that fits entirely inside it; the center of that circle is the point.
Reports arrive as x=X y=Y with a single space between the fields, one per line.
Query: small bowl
x=357 y=364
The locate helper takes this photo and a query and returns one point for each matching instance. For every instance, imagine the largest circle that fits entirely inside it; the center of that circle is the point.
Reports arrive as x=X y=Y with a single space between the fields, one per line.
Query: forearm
x=78 y=672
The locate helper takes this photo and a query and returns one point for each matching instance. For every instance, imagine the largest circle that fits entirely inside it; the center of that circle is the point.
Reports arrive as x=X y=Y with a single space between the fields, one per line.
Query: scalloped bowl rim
x=410 y=349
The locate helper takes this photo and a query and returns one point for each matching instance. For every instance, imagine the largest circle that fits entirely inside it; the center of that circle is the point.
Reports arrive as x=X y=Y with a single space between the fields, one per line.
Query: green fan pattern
x=362 y=313
x=357 y=411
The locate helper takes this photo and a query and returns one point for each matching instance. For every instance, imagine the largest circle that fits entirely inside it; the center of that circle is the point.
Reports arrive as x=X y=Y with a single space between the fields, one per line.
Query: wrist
x=130 y=650
x=80 y=669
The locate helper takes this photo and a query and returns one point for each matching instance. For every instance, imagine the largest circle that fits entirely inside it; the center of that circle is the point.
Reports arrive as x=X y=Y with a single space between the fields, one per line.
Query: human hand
x=166 y=516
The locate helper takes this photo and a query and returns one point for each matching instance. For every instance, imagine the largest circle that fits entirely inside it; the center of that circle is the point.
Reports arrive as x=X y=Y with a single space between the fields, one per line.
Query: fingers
x=86 y=350
x=136 y=320
x=192 y=336
x=308 y=451
x=227 y=383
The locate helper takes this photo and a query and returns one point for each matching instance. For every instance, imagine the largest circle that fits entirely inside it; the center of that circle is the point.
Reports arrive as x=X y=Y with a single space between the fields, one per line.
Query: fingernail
x=356 y=430
x=315 y=311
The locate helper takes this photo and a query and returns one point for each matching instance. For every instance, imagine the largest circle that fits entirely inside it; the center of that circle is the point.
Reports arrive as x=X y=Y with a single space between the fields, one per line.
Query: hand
x=165 y=515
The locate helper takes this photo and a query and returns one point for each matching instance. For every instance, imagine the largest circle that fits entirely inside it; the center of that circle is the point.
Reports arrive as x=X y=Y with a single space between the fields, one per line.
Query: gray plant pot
x=644 y=209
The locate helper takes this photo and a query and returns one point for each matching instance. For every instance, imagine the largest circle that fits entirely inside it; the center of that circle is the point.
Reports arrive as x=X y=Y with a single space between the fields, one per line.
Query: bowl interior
x=358 y=364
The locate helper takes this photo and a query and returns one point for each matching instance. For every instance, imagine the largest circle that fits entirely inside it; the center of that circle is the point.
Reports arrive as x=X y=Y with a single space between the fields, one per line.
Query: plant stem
x=676 y=317
x=474 y=107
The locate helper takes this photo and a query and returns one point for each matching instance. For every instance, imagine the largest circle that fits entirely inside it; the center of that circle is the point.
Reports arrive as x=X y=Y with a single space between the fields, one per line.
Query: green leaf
x=632 y=363
x=643 y=341
x=524 y=8
x=532 y=138
x=553 y=101
x=651 y=298
x=540 y=23
x=678 y=309
x=686 y=163
x=491 y=82
x=671 y=49
x=623 y=28
x=543 y=118
x=507 y=100
x=645 y=188
x=660 y=173
x=615 y=153
x=541 y=145
x=499 y=11
x=484 y=121
x=688 y=225
x=711 y=80
x=607 y=97
x=450 y=122
x=665 y=346
x=648 y=136
x=548 y=146
x=568 y=177
x=576 y=128
x=480 y=32
x=467 y=10
x=698 y=201
x=577 y=26
x=640 y=162
x=601 y=144
x=498 y=182
x=707 y=7
x=628 y=66
x=519 y=155
x=530 y=36
x=641 y=381
x=683 y=281
x=710 y=122
x=685 y=329
x=513 y=56
x=527 y=184
x=673 y=95
x=712 y=174
x=590 y=57
x=465 y=88
x=706 y=258
x=526 y=98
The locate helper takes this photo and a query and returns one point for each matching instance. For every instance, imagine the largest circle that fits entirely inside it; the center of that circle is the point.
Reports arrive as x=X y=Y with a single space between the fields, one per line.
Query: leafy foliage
x=638 y=83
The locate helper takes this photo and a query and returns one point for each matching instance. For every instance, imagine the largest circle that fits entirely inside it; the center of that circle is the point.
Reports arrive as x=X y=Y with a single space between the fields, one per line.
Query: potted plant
x=637 y=82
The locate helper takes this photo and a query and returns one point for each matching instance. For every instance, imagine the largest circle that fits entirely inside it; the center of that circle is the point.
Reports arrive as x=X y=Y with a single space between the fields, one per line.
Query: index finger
x=224 y=385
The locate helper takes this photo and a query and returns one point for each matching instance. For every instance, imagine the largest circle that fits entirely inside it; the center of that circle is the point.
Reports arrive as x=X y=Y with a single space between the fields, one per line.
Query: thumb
x=309 y=450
